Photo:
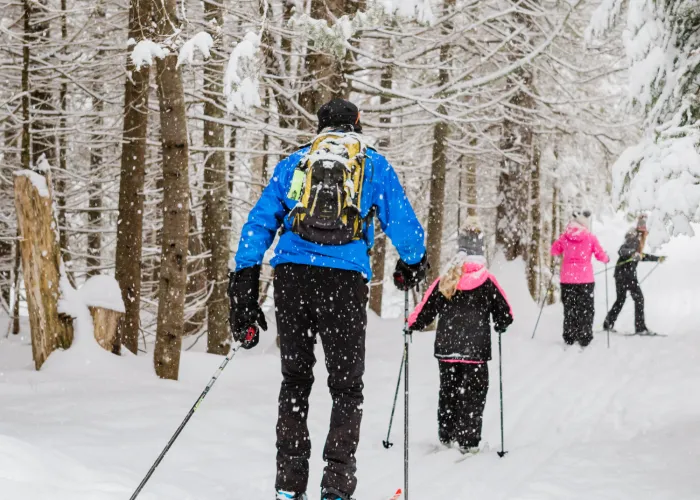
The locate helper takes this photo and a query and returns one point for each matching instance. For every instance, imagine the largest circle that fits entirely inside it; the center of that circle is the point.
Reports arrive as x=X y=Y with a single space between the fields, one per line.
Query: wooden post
x=40 y=264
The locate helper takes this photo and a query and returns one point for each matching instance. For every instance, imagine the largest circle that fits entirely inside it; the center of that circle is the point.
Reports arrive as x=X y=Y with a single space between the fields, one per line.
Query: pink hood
x=578 y=245
x=474 y=274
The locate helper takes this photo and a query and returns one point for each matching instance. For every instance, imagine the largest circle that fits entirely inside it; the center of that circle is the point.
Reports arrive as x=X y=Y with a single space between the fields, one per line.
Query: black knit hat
x=339 y=113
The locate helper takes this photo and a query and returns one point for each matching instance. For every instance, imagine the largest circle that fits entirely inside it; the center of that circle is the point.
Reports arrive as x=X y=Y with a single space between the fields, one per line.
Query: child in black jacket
x=465 y=298
x=626 y=277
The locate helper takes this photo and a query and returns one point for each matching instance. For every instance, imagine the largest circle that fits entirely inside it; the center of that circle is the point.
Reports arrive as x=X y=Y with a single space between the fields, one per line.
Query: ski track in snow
x=618 y=423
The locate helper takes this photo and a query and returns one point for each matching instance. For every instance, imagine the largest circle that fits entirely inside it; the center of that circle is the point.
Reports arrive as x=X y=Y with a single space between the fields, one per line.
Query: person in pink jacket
x=577 y=245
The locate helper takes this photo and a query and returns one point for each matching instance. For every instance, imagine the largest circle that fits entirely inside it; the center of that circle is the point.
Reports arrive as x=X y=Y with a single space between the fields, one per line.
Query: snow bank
x=102 y=291
x=202 y=42
x=241 y=80
x=144 y=52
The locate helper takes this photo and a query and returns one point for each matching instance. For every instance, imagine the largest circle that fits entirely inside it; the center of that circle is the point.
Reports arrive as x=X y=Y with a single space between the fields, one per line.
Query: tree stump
x=40 y=264
x=105 y=322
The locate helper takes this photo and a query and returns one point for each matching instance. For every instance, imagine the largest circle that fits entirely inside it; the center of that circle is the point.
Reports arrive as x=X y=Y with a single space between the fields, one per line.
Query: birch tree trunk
x=173 y=267
x=40 y=265
x=133 y=170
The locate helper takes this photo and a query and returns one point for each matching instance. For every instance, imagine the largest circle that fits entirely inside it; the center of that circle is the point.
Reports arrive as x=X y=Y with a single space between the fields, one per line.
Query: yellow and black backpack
x=327 y=185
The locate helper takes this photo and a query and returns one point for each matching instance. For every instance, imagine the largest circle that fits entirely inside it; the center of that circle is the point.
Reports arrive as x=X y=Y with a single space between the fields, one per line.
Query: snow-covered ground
x=617 y=423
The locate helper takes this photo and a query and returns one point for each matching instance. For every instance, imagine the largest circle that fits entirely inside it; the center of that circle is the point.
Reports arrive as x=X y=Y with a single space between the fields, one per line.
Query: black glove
x=407 y=276
x=246 y=315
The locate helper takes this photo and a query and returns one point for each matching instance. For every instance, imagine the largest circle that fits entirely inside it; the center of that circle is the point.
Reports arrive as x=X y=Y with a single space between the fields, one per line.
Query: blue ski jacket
x=380 y=189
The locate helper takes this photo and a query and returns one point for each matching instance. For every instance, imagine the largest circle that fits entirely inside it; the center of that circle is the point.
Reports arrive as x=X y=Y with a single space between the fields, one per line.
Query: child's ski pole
x=388 y=444
x=607 y=306
x=187 y=419
x=544 y=300
x=500 y=383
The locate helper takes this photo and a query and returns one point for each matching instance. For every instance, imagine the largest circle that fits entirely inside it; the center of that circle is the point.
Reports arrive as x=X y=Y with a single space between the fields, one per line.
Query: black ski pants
x=622 y=286
x=579 y=311
x=463 y=389
x=330 y=303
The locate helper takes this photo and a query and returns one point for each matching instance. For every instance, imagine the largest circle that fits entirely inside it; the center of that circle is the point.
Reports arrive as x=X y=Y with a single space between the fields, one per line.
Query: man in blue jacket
x=322 y=268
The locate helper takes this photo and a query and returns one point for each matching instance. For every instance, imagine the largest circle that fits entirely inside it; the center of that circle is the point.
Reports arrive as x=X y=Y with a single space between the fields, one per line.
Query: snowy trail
x=618 y=423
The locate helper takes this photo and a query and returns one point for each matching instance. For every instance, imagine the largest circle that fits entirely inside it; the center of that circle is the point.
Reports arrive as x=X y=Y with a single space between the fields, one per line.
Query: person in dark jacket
x=320 y=285
x=626 y=277
x=466 y=298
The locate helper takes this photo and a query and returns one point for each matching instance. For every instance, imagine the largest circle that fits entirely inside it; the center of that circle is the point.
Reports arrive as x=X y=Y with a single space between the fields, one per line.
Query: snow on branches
x=242 y=79
x=661 y=173
x=202 y=42
x=144 y=52
x=334 y=38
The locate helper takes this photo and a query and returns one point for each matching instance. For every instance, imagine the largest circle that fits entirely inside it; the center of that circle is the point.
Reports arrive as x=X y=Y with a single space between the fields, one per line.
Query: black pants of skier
x=579 y=310
x=622 y=286
x=330 y=303
x=463 y=389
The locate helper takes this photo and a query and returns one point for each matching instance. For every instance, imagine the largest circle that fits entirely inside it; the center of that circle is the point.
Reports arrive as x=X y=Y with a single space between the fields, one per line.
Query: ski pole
x=388 y=444
x=607 y=306
x=544 y=299
x=503 y=452
x=649 y=273
x=406 y=341
x=187 y=419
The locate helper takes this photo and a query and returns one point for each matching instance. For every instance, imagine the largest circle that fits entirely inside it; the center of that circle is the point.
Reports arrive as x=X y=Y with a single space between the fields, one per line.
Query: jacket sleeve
x=650 y=258
x=557 y=248
x=395 y=213
x=264 y=219
x=501 y=311
x=428 y=309
x=628 y=249
x=599 y=252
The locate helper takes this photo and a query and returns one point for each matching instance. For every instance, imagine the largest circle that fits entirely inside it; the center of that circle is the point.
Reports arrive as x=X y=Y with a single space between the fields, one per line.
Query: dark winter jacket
x=464 y=327
x=626 y=268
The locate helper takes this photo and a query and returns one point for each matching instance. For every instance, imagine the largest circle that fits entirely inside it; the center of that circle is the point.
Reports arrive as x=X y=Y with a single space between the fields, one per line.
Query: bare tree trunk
x=9 y=164
x=16 y=285
x=26 y=118
x=40 y=263
x=325 y=74
x=216 y=197
x=133 y=171
x=60 y=182
x=196 y=279
x=436 y=209
x=555 y=225
x=41 y=93
x=534 y=249
x=379 y=251
x=173 y=267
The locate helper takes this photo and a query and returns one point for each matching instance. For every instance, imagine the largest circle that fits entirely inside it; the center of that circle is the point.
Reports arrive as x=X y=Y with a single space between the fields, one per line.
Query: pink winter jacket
x=578 y=244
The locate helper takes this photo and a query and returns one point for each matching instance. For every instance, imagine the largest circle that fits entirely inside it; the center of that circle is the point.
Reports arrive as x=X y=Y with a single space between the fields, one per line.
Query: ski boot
x=290 y=495
x=333 y=494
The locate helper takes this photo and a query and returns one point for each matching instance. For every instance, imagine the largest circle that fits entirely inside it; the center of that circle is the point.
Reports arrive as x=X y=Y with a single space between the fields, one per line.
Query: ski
x=635 y=334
